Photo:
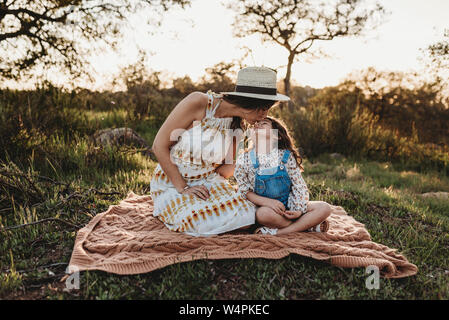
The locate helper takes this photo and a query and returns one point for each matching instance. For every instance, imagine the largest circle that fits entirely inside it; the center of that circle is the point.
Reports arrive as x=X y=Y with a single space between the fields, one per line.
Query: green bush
x=355 y=132
x=29 y=118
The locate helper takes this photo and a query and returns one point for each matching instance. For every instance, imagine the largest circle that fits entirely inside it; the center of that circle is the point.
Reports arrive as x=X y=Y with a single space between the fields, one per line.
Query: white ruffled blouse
x=245 y=175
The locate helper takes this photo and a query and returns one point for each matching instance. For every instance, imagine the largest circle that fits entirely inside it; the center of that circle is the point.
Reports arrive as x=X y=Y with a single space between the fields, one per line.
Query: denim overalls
x=274 y=182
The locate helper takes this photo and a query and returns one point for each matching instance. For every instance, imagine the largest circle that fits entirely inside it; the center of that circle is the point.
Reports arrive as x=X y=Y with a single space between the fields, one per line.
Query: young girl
x=269 y=175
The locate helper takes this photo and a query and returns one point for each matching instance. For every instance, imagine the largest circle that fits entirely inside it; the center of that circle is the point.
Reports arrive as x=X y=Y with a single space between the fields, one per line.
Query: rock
x=336 y=155
x=121 y=136
x=118 y=136
x=437 y=195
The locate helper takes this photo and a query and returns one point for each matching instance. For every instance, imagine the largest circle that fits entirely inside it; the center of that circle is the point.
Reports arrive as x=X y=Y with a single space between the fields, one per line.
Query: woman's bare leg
x=317 y=212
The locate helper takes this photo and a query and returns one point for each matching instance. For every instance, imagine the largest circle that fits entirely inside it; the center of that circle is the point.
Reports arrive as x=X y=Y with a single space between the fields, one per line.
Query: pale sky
x=190 y=40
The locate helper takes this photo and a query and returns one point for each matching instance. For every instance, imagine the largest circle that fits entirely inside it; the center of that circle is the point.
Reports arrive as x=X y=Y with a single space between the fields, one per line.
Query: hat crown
x=257 y=77
x=257 y=82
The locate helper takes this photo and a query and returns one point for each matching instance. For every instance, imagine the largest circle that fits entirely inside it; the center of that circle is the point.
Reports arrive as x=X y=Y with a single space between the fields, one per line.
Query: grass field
x=382 y=197
x=68 y=181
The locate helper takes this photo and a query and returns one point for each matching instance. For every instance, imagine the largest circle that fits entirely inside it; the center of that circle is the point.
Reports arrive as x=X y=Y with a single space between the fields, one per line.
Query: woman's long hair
x=246 y=103
x=285 y=140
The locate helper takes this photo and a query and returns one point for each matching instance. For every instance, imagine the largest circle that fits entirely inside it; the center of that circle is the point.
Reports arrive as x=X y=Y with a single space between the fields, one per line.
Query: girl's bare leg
x=317 y=212
x=268 y=217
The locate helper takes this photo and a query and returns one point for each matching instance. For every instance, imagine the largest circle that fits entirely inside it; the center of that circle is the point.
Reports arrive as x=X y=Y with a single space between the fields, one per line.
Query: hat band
x=251 y=89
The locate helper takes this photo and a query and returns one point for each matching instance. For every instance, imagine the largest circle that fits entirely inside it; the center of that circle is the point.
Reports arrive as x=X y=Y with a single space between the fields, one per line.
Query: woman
x=189 y=187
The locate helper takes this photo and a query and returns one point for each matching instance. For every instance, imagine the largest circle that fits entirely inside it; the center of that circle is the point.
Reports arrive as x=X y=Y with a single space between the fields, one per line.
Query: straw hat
x=257 y=82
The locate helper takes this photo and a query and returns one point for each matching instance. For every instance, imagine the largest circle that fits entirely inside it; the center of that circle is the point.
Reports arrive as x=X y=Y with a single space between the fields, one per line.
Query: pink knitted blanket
x=127 y=239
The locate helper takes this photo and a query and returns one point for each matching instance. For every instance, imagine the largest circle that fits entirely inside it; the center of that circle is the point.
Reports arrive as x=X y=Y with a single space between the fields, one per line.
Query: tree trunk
x=291 y=57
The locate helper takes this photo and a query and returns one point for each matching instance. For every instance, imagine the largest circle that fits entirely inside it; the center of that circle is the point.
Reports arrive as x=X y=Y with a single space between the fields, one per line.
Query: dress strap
x=286 y=155
x=253 y=157
x=216 y=107
x=211 y=99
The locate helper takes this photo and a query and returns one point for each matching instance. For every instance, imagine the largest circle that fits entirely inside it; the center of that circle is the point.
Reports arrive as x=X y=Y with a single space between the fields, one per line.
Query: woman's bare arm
x=191 y=108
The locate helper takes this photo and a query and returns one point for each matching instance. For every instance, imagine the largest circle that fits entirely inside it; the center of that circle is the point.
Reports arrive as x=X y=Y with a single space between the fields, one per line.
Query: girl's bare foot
x=322 y=227
x=266 y=230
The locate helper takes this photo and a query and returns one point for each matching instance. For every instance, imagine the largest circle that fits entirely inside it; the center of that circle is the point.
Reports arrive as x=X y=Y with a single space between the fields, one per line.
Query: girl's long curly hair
x=285 y=140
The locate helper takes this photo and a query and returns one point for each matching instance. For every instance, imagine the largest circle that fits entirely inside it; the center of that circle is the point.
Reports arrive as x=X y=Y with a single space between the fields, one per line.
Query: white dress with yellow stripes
x=198 y=152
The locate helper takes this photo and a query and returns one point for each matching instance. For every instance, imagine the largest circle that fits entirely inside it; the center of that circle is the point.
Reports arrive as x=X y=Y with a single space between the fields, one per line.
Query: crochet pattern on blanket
x=127 y=239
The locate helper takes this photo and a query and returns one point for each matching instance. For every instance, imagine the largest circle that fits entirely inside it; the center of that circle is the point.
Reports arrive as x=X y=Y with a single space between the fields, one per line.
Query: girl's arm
x=299 y=195
x=242 y=168
x=246 y=187
x=241 y=175
x=256 y=199
x=227 y=169
x=261 y=201
x=191 y=108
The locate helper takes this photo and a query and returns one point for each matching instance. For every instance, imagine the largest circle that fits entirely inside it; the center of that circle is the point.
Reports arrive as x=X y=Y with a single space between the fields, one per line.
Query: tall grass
x=353 y=130
x=49 y=169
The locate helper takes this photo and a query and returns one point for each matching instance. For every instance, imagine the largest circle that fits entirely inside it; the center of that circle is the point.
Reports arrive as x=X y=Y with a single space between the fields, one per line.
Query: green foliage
x=63 y=33
x=354 y=130
x=11 y=280
x=394 y=216
x=401 y=101
x=51 y=170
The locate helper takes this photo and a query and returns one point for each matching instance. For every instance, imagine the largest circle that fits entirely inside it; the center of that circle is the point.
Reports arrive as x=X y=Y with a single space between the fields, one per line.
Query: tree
x=438 y=54
x=297 y=24
x=401 y=100
x=55 y=32
x=221 y=76
x=385 y=89
x=142 y=87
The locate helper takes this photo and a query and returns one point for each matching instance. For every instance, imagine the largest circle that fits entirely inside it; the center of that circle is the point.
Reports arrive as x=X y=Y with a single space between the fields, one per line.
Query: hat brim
x=277 y=97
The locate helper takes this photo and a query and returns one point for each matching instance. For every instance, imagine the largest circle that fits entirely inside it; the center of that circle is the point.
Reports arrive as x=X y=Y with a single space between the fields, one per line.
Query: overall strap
x=285 y=157
x=254 y=160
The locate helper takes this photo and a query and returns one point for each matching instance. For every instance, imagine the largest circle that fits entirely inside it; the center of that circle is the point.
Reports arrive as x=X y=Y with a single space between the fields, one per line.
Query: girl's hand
x=275 y=205
x=292 y=214
x=200 y=191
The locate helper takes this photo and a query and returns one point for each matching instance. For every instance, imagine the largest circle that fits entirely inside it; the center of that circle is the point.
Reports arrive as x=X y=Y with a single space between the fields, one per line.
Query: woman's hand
x=200 y=191
x=292 y=214
x=276 y=205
